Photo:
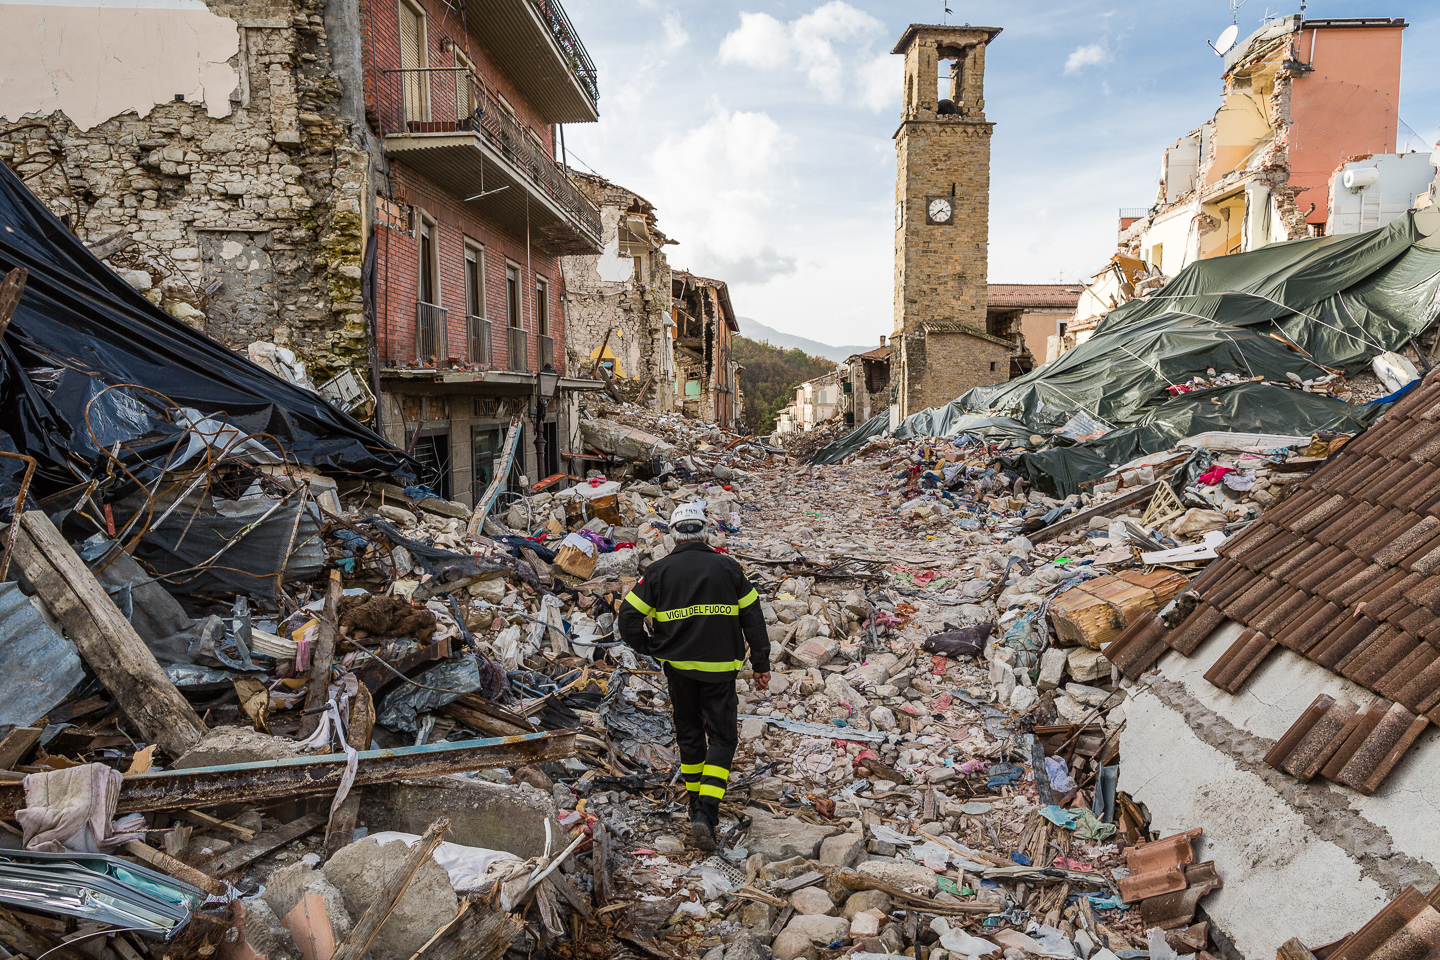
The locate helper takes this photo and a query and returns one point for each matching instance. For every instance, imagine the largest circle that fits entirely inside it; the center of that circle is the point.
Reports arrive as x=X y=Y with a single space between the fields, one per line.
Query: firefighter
x=701 y=613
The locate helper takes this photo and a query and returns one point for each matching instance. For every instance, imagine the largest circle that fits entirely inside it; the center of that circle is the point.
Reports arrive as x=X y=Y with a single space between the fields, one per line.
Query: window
x=542 y=306
x=467 y=101
x=992 y=366
x=415 y=81
x=512 y=295
x=475 y=325
x=429 y=260
x=433 y=452
x=486 y=444
x=820 y=396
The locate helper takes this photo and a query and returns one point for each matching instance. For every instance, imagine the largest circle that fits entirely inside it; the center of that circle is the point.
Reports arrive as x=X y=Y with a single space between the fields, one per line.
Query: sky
x=762 y=132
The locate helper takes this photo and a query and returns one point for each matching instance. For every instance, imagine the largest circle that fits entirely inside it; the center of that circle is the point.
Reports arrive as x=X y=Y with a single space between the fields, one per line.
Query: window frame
x=421 y=80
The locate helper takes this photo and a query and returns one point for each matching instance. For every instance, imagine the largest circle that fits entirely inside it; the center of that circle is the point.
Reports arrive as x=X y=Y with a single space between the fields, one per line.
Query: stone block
x=482 y=814
x=1087 y=666
x=815 y=651
x=812 y=901
x=910 y=877
x=862 y=900
x=777 y=838
x=226 y=745
x=361 y=870
x=842 y=850
x=752 y=729
x=1052 y=669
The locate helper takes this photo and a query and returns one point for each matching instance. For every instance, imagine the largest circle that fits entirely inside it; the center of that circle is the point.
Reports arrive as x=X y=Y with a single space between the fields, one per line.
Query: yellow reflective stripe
x=748 y=599
x=705 y=667
x=699 y=610
x=708 y=791
x=719 y=773
x=691 y=767
x=693 y=787
x=634 y=600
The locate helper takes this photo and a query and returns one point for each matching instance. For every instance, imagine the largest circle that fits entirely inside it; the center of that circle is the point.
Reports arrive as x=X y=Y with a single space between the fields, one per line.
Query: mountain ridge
x=755 y=330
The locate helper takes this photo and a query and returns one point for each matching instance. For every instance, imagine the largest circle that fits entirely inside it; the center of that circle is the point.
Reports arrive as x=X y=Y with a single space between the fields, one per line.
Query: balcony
x=535 y=44
x=519 y=351
x=480 y=350
x=547 y=352
x=440 y=122
x=430 y=333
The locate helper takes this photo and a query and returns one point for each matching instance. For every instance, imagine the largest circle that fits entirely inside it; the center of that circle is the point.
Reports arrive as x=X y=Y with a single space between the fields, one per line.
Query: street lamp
x=546 y=383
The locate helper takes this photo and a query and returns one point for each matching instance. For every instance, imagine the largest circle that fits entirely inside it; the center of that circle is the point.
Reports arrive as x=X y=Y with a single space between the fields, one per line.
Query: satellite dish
x=1227 y=40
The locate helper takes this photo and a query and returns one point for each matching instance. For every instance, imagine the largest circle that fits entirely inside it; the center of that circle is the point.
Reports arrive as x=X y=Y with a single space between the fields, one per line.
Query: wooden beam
x=17 y=745
x=1078 y=520
x=10 y=290
x=341 y=828
x=367 y=928
x=106 y=640
x=237 y=857
x=318 y=690
x=175 y=868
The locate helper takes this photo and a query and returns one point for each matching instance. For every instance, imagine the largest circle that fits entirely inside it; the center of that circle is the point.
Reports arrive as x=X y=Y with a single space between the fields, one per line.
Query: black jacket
x=704 y=611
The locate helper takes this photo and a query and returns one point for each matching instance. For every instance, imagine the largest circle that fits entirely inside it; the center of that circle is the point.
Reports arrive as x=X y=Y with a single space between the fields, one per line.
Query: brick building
x=618 y=302
x=707 y=378
x=372 y=185
x=940 y=347
x=472 y=217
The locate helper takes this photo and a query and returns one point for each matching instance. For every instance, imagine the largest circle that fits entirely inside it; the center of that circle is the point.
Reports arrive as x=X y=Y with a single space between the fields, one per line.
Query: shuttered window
x=412 y=60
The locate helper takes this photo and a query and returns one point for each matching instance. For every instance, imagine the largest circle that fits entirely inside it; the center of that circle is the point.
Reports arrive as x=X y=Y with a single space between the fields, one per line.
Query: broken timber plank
x=851 y=880
x=17 y=745
x=106 y=640
x=237 y=857
x=264 y=781
x=497 y=481
x=341 y=828
x=175 y=868
x=318 y=689
x=1077 y=521
x=367 y=928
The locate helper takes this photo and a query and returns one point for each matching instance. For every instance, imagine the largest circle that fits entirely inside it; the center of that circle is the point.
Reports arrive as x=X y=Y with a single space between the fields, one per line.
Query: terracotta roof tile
x=1338 y=643
x=1337 y=563
x=1407 y=927
x=1421 y=689
x=1203 y=621
x=1243 y=658
x=1416 y=535
x=1301 y=558
x=1318 y=514
x=1395 y=683
x=1138 y=646
x=1378 y=754
x=1403 y=485
x=1309 y=626
x=1366 y=664
x=1426 y=593
x=1360 y=726
x=1312 y=738
x=1283 y=613
x=1384 y=527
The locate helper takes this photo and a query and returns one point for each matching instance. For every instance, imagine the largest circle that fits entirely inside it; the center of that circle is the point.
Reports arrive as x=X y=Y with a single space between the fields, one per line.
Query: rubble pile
x=428 y=738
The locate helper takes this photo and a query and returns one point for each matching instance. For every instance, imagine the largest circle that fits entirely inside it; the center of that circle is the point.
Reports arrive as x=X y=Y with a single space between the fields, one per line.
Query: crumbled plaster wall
x=626 y=297
x=259 y=187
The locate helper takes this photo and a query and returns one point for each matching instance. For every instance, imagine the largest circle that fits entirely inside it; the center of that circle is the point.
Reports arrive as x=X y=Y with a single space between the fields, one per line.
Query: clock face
x=940 y=210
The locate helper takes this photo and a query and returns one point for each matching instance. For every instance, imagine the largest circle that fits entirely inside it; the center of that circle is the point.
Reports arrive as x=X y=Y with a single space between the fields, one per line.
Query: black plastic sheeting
x=1303 y=308
x=80 y=329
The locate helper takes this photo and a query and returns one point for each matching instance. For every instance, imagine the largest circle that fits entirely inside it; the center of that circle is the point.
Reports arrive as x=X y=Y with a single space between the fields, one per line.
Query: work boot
x=703 y=831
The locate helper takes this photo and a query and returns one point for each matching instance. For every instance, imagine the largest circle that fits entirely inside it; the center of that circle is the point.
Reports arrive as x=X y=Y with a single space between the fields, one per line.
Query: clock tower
x=940 y=346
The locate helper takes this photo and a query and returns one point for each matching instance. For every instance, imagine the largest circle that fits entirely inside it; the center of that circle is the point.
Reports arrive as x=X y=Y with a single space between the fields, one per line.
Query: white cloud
x=1089 y=55
x=715 y=185
x=831 y=45
x=675 y=35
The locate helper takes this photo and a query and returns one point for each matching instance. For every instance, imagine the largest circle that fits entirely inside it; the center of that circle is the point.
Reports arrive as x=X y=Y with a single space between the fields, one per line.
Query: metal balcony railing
x=547 y=351
x=580 y=63
x=519 y=352
x=479 y=329
x=449 y=100
x=430 y=333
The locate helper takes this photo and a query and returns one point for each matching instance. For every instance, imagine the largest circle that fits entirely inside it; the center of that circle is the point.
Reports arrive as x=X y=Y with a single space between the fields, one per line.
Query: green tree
x=770 y=377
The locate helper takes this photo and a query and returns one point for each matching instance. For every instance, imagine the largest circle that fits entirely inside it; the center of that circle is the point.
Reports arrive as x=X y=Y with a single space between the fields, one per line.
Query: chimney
x=882 y=339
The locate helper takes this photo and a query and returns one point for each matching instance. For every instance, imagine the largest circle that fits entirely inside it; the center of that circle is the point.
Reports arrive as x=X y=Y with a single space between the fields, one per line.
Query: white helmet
x=688 y=517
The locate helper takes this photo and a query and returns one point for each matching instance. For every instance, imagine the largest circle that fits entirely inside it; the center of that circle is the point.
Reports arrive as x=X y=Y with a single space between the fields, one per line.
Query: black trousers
x=706 y=731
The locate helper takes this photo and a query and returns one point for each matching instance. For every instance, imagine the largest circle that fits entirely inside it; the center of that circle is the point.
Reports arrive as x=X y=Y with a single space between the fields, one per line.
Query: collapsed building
x=373 y=190
x=707 y=376
x=618 y=301
x=865 y=384
x=1303 y=145
x=1032 y=314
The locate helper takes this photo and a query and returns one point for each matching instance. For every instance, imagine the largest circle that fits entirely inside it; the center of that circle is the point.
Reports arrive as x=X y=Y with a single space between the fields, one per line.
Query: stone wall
x=247 y=225
x=939 y=367
x=624 y=297
x=940 y=268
